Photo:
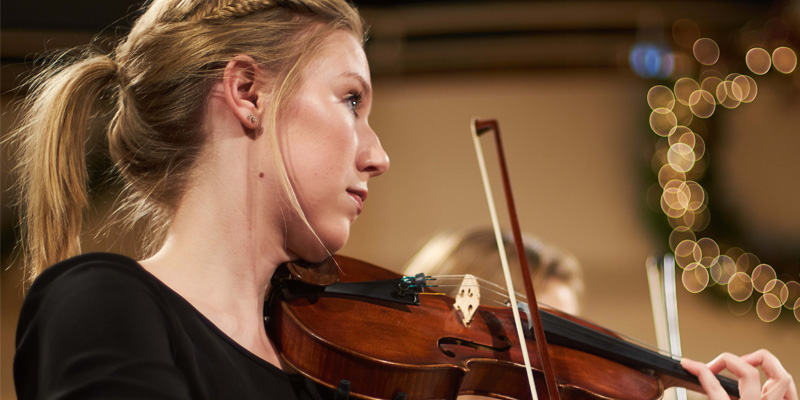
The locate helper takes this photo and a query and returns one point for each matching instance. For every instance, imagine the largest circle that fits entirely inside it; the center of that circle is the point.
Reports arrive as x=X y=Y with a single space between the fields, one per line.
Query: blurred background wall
x=569 y=83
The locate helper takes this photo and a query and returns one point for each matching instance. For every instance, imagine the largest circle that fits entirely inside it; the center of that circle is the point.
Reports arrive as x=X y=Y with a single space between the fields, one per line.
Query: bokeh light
x=701 y=219
x=662 y=120
x=778 y=293
x=667 y=173
x=676 y=135
x=683 y=114
x=660 y=96
x=735 y=253
x=649 y=60
x=710 y=84
x=688 y=252
x=784 y=59
x=709 y=250
x=792 y=295
x=758 y=60
x=675 y=222
x=681 y=157
x=699 y=147
x=706 y=51
x=684 y=87
x=797 y=311
x=678 y=235
x=751 y=95
x=695 y=279
x=673 y=198
x=682 y=134
x=747 y=262
x=729 y=95
x=743 y=85
x=697 y=200
x=722 y=270
x=762 y=275
x=764 y=311
x=740 y=287
x=702 y=103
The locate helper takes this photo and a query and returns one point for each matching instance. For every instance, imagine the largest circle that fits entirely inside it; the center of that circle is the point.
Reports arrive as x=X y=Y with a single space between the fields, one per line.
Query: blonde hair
x=474 y=251
x=156 y=80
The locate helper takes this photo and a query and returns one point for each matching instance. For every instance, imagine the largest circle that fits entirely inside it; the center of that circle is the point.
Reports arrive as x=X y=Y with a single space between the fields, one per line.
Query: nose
x=371 y=159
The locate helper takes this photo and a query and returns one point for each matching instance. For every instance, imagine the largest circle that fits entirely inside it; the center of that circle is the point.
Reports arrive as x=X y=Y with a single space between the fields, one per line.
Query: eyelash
x=353 y=101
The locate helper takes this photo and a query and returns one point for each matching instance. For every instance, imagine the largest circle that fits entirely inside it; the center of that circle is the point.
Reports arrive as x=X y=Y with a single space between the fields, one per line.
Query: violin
x=419 y=347
x=388 y=341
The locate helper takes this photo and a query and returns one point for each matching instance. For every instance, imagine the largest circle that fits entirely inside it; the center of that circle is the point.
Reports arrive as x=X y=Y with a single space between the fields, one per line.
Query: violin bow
x=479 y=127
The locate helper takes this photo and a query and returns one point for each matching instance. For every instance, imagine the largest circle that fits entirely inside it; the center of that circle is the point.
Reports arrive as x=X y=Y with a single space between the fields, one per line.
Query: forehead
x=340 y=54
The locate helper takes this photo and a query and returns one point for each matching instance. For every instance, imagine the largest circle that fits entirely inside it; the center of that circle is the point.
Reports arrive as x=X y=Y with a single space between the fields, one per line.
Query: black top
x=100 y=326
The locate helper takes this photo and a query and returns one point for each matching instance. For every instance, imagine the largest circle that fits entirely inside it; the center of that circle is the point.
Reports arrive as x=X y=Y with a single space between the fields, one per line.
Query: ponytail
x=52 y=134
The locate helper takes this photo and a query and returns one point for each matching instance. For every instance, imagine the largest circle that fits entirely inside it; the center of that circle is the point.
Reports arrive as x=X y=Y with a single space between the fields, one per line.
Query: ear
x=243 y=81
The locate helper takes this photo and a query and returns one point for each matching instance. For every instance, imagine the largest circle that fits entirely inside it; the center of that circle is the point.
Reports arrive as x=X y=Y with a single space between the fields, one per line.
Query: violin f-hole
x=447 y=340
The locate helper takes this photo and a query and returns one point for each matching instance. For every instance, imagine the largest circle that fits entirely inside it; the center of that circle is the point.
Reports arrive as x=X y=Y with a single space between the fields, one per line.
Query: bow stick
x=480 y=127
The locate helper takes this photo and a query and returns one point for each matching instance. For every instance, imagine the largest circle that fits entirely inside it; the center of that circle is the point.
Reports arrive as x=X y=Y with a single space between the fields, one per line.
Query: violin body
x=424 y=351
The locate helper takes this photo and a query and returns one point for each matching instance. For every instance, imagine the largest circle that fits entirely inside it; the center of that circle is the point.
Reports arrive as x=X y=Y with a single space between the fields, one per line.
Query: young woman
x=240 y=131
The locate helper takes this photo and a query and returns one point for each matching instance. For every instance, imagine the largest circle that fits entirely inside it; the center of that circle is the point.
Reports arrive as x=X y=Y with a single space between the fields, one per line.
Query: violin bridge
x=468 y=299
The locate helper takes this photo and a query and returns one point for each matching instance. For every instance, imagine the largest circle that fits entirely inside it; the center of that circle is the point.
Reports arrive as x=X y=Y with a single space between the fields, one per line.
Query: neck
x=222 y=249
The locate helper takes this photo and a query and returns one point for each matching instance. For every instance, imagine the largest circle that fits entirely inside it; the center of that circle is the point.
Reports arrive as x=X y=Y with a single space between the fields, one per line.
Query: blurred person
x=557 y=276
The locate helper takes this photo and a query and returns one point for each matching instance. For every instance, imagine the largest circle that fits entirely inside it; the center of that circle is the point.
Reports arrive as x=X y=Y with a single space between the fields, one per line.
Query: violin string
x=502 y=295
x=500 y=291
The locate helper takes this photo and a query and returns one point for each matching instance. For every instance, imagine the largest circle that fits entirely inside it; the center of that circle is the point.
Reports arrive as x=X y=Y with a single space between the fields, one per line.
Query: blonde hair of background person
x=557 y=277
x=240 y=131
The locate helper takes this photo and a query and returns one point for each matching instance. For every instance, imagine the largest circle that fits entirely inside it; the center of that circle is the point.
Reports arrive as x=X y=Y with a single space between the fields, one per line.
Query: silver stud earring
x=252 y=118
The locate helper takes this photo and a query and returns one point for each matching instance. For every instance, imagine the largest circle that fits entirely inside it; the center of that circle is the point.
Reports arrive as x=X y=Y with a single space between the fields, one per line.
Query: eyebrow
x=364 y=83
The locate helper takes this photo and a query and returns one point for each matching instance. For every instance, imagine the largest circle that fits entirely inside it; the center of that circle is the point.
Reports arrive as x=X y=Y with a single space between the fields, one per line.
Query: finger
x=770 y=364
x=710 y=384
x=780 y=384
x=749 y=377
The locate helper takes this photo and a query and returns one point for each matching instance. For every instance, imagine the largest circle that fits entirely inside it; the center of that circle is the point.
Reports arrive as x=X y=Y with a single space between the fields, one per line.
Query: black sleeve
x=96 y=331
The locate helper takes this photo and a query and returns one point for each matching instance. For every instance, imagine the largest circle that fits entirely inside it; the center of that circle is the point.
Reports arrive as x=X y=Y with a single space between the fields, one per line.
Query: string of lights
x=678 y=109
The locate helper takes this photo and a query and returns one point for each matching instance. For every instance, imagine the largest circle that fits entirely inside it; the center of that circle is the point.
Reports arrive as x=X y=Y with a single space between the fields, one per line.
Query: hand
x=779 y=385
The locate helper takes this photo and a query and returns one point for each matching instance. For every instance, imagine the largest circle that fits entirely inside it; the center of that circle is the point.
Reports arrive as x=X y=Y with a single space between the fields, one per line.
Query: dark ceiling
x=95 y=15
x=434 y=36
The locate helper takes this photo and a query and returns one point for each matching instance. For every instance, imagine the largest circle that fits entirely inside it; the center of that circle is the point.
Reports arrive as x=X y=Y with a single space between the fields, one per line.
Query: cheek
x=318 y=133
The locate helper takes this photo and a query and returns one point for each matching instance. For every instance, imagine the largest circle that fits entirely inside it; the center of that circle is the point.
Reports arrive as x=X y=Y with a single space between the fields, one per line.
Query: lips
x=359 y=196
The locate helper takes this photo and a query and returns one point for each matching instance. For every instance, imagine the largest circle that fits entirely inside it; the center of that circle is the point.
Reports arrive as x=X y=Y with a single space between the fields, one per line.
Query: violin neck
x=567 y=333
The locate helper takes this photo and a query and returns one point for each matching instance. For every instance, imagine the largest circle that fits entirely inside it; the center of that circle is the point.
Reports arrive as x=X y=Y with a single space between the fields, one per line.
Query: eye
x=354 y=100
